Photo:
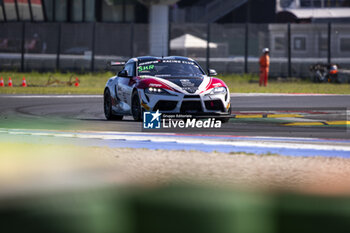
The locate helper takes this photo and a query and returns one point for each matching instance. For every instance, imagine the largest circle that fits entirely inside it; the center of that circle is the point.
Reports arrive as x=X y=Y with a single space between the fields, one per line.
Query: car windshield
x=169 y=68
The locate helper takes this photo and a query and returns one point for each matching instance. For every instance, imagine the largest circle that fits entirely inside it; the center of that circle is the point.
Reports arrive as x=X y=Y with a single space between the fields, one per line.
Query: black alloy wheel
x=136 y=107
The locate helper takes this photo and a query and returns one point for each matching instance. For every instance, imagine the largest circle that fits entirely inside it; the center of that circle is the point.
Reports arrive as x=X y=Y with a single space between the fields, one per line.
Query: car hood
x=189 y=84
x=186 y=85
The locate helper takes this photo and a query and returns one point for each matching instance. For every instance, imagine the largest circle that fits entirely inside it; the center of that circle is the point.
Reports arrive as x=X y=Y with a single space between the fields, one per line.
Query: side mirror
x=212 y=72
x=123 y=73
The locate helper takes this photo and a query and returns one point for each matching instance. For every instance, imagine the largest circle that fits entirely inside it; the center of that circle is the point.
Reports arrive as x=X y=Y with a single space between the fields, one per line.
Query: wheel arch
x=135 y=90
x=106 y=89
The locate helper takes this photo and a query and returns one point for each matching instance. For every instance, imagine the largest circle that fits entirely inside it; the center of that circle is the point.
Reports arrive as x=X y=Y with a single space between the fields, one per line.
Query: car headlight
x=156 y=91
x=218 y=90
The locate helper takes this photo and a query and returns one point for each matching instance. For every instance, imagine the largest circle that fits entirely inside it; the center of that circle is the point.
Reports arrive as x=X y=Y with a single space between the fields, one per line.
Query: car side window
x=130 y=68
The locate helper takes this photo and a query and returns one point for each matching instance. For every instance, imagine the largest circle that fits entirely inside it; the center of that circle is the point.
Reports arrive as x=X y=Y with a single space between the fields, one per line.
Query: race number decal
x=145 y=68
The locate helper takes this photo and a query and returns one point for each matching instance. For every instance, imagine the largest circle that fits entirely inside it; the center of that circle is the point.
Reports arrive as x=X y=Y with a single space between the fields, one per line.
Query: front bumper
x=195 y=104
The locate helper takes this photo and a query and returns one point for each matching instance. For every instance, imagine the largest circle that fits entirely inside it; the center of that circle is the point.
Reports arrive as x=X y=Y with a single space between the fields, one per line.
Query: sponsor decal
x=155 y=85
x=186 y=83
x=145 y=68
x=179 y=62
x=149 y=63
x=167 y=61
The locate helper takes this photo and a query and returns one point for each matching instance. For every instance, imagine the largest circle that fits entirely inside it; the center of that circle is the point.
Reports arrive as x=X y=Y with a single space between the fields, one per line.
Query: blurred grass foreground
x=56 y=189
x=94 y=83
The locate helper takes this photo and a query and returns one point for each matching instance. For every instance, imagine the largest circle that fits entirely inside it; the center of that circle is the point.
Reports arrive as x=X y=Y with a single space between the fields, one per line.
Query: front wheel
x=227 y=118
x=136 y=107
x=107 y=106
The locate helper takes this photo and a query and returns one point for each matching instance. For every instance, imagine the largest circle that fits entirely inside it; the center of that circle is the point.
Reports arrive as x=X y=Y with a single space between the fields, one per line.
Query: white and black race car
x=168 y=84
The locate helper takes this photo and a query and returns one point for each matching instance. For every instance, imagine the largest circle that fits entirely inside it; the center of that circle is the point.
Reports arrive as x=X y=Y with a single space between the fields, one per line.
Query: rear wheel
x=136 y=107
x=107 y=105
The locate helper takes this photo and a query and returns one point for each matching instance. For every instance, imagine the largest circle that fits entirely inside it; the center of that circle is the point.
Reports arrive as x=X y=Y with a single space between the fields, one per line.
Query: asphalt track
x=86 y=113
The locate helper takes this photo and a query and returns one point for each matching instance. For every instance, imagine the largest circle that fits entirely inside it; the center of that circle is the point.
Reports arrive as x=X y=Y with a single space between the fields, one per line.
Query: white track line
x=113 y=133
x=187 y=140
x=261 y=144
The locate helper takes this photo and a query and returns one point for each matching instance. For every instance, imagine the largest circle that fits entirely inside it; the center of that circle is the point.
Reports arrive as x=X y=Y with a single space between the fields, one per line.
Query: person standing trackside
x=264 y=67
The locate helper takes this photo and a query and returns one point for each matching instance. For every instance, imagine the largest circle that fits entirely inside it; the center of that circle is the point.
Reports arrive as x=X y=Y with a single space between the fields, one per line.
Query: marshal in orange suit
x=264 y=67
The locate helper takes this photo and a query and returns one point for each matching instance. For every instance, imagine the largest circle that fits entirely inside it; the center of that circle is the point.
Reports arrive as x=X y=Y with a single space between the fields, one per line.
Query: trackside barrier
x=228 y=48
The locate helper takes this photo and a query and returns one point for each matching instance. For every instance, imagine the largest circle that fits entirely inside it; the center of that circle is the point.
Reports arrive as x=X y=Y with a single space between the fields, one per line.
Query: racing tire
x=136 y=109
x=227 y=118
x=107 y=106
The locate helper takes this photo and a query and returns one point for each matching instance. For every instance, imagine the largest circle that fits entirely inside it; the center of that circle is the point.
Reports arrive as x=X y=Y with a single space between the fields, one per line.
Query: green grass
x=90 y=83
x=93 y=83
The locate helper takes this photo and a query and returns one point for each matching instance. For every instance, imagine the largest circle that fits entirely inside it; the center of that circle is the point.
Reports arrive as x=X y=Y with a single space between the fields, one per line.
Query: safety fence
x=228 y=48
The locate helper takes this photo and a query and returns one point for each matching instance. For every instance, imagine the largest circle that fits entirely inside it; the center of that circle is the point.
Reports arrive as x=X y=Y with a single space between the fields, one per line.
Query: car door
x=125 y=86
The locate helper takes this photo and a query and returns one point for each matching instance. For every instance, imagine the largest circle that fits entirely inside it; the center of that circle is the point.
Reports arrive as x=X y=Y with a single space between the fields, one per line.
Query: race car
x=165 y=84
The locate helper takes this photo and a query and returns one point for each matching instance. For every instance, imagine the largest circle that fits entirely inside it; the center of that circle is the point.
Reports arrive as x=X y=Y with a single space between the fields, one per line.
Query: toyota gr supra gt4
x=173 y=85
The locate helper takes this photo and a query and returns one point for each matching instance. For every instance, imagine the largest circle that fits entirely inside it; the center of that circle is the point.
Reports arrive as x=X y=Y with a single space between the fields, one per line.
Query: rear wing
x=117 y=63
